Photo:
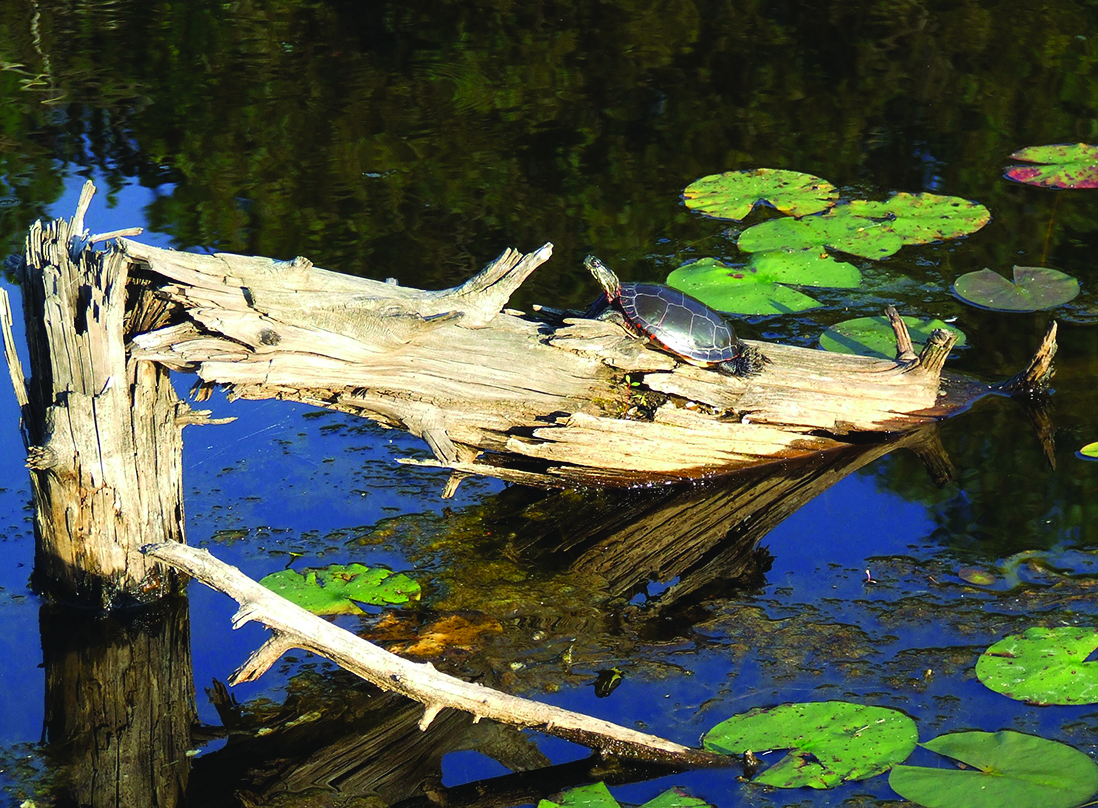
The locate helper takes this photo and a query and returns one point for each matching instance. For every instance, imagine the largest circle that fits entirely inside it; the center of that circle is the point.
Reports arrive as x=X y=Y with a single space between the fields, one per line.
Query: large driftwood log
x=529 y=399
x=294 y=627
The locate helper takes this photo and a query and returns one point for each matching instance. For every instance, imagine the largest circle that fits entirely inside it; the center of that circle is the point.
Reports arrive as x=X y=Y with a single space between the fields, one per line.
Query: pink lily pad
x=1062 y=165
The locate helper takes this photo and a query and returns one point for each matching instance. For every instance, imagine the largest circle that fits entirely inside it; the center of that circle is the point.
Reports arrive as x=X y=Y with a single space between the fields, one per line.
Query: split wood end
x=1035 y=379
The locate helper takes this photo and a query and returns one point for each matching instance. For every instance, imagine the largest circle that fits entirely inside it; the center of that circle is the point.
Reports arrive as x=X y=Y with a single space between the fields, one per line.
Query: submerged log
x=366 y=749
x=547 y=399
x=363 y=744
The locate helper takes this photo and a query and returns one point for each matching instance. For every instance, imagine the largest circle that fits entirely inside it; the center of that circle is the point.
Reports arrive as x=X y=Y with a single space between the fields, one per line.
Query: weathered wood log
x=548 y=400
x=101 y=430
x=294 y=627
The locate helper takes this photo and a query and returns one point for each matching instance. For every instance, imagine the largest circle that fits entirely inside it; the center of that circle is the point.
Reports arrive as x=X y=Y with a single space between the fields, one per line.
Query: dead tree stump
x=103 y=432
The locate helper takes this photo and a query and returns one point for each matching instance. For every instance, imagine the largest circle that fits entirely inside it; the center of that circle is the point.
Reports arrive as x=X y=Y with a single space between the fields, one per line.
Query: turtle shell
x=680 y=324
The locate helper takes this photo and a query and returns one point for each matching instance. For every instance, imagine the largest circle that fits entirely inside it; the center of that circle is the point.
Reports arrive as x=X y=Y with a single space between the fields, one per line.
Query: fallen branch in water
x=294 y=627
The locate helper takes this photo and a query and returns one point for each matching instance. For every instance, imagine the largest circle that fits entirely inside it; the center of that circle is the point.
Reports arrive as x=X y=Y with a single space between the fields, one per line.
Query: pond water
x=418 y=141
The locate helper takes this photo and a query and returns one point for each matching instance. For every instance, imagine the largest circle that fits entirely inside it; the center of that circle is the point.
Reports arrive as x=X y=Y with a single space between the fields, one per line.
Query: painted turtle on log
x=678 y=323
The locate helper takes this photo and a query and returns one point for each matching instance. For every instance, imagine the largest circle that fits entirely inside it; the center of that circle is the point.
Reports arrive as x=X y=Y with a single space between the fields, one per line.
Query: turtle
x=680 y=324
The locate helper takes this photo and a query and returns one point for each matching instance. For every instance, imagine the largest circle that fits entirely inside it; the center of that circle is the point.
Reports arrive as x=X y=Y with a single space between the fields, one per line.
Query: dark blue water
x=423 y=141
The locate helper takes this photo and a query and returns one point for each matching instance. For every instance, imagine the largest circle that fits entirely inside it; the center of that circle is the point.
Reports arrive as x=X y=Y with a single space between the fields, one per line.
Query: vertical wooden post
x=104 y=442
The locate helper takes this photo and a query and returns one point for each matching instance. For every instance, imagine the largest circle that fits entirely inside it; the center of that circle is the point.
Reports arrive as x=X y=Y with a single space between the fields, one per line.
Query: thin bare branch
x=15 y=367
x=296 y=627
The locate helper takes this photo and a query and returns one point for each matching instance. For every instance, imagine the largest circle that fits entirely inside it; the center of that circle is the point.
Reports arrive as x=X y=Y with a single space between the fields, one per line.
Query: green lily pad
x=1043 y=666
x=733 y=194
x=337 y=589
x=675 y=798
x=1006 y=768
x=810 y=267
x=1033 y=289
x=1090 y=451
x=873 y=336
x=839 y=229
x=976 y=577
x=759 y=286
x=734 y=289
x=873 y=230
x=926 y=218
x=597 y=795
x=1062 y=165
x=830 y=742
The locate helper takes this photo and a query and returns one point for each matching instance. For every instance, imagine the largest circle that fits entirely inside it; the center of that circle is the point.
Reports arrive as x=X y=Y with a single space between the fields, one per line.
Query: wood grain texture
x=104 y=445
x=548 y=399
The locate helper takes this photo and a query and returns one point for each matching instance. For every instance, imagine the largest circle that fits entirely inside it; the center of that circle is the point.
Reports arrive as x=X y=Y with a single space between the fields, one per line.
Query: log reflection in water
x=694 y=535
x=366 y=748
x=359 y=742
x=119 y=703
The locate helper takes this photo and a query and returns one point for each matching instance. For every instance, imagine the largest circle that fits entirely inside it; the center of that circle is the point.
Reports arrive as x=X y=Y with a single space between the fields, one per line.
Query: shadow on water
x=337 y=742
x=120 y=704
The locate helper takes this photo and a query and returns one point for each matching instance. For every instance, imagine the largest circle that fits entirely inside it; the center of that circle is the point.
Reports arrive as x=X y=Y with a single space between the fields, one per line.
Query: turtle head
x=604 y=275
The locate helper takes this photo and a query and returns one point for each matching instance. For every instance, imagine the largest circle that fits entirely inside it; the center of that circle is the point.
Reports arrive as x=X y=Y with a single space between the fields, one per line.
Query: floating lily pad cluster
x=797 y=250
x=873 y=230
x=832 y=742
x=997 y=769
x=339 y=588
x=763 y=285
x=1060 y=166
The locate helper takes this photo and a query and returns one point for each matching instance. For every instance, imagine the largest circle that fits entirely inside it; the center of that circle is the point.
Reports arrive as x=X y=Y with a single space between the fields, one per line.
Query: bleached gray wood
x=294 y=627
x=536 y=401
x=104 y=444
x=15 y=366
